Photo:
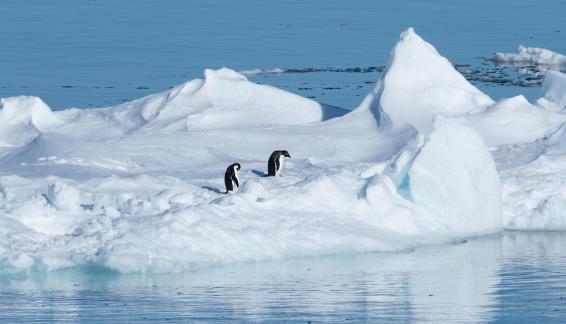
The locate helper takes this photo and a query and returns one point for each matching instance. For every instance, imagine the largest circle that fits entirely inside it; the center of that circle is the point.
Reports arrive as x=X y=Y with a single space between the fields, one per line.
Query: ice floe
x=532 y=55
x=425 y=158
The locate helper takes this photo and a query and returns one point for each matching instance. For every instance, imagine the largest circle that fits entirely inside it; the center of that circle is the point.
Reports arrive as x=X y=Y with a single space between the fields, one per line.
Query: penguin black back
x=275 y=162
x=231 y=180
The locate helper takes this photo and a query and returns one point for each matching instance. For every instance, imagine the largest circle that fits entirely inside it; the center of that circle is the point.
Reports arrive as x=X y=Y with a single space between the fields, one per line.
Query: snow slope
x=138 y=187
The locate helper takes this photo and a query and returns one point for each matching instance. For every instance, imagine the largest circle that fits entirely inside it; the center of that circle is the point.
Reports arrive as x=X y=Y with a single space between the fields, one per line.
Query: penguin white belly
x=278 y=171
x=234 y=185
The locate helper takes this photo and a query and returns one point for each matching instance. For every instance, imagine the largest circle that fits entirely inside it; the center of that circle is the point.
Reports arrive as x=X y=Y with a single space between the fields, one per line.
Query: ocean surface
x=96 y=53
x=93 y=53
x=515 y=277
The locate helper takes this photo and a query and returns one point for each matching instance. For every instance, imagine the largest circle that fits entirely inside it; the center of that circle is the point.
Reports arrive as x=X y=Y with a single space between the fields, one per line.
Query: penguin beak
x=288 y=155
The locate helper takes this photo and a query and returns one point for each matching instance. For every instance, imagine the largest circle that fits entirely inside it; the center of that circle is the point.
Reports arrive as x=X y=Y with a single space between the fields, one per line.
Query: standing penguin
x=275 y=163
x=231 y=177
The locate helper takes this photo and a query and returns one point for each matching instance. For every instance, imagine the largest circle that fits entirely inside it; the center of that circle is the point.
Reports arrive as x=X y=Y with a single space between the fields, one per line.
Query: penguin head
x=236 y=166
x=285 y=153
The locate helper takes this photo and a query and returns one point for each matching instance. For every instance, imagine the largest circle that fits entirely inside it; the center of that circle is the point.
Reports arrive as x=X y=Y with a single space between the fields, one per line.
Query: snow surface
x=138 y=187
x=515 y=120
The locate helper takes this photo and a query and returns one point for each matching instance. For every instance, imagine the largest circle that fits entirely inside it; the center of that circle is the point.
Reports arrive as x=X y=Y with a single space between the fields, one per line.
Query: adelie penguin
x=231 y=177
x=275 y=163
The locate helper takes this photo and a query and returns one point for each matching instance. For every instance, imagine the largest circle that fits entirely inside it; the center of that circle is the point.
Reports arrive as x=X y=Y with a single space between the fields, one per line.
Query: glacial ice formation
x=425 y=158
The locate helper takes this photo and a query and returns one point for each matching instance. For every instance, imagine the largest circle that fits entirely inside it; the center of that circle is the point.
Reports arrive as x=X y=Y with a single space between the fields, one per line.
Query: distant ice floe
x=530 y=63
x=425 y=158
x=529 y=74
x=367 y=69
x=533 y=55
x=255 y=72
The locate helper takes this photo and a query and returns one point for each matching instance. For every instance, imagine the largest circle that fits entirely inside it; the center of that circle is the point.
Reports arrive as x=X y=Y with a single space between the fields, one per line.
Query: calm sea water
x=510 y=278
x=84 y=53
x=81 y=53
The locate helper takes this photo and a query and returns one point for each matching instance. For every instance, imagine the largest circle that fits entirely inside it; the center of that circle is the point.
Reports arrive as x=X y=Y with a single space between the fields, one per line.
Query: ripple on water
x=506 y=278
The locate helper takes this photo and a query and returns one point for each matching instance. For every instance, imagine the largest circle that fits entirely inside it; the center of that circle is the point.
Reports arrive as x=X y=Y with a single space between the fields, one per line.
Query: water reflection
x=505 y=278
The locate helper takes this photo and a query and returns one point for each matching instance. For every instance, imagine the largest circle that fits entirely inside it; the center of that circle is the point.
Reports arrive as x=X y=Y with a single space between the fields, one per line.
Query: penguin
x=275 y=163
x=231 y=177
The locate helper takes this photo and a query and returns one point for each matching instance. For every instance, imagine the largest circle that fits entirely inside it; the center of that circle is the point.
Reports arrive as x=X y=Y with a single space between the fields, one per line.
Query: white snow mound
x=24 y=118
x=224 y=99
x=515 y=120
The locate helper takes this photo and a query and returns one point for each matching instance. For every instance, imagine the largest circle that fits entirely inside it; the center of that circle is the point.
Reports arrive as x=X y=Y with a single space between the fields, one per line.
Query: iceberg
x=425 y=158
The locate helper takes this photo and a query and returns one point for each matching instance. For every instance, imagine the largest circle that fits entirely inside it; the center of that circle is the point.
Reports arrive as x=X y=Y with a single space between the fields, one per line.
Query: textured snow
x=138 y=187
x=534 y=175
